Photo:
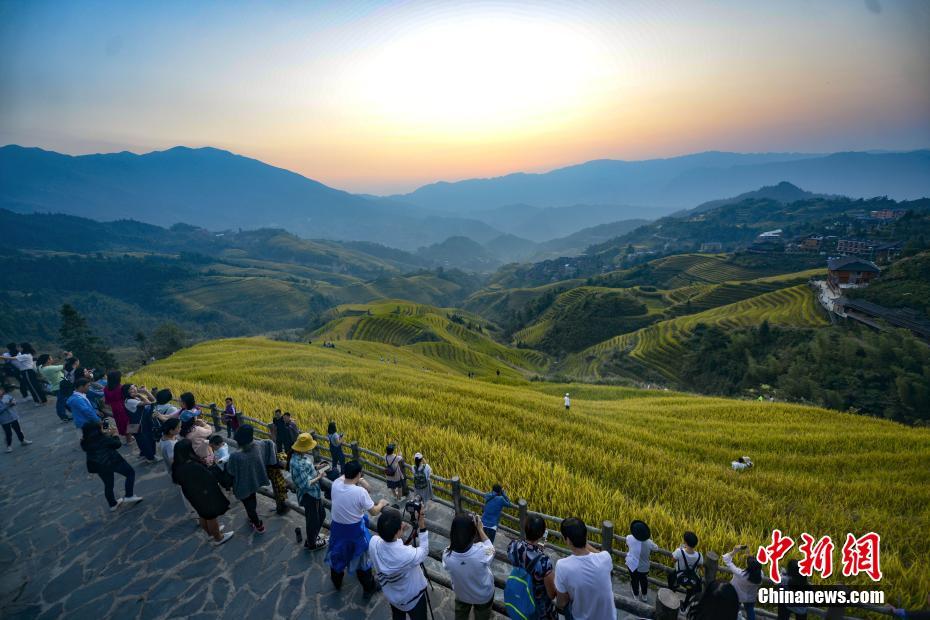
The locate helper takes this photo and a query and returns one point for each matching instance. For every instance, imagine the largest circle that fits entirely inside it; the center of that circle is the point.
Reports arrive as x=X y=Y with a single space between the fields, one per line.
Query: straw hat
x=304 y=443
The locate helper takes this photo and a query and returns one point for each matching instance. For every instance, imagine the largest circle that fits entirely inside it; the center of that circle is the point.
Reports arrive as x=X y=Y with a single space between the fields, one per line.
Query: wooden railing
x=460 y=497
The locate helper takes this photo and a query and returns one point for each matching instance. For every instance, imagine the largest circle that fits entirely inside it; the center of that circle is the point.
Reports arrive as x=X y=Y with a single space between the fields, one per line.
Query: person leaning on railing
x=745 y=581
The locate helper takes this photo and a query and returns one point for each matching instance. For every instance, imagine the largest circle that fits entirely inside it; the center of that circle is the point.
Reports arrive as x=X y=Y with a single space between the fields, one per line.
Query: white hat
x=417 y=456
x=566 y=393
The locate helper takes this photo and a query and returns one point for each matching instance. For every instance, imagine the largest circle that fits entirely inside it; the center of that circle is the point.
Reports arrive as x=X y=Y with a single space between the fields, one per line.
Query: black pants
x=365 y=577
x=491 y=532
x=29 y=382
x=124 y=470
x=8 y=429
x=417 y=613
x=639 y=582
x=315 y=514
x=251 y=506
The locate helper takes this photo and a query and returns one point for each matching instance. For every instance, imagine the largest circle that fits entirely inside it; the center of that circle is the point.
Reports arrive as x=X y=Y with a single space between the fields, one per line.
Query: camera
x=106 y=425
x=413 y=507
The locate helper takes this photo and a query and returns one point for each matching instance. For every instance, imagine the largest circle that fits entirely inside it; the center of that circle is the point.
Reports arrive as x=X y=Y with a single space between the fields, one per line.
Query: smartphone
x=106 y=425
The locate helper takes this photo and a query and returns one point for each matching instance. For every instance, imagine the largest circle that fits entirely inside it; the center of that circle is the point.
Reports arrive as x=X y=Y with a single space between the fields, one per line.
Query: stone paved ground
x=63 y=554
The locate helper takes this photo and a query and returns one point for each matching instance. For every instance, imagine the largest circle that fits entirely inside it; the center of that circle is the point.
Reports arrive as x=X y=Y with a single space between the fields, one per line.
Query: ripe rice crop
x=619 y=454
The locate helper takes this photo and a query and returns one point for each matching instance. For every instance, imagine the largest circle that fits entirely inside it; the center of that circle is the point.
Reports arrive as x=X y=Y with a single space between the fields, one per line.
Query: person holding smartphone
x=468 y=562
x=306 y=478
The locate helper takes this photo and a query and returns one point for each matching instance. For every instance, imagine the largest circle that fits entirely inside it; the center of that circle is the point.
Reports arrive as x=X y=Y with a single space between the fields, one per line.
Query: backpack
x=518 y=592
x=687 y=577
x=332 y=475
x=420 y=480
x=390 y=470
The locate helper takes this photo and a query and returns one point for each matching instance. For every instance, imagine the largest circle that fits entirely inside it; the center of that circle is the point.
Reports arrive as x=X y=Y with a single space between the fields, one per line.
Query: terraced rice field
x=620 y=454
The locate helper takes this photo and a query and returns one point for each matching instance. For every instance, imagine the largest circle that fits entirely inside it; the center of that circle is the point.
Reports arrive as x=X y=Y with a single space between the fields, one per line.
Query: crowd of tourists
x=111 y=415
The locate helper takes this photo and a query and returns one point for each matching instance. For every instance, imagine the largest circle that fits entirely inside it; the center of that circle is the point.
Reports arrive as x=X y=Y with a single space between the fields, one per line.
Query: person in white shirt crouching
x=399 y=566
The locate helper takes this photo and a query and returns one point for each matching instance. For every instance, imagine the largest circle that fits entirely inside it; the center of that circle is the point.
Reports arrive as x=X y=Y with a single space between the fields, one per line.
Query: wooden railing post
x=456 y=494
x=216 y=416
x=607 y=536
x=356 y=454
x=522 y=509
x=711 y=562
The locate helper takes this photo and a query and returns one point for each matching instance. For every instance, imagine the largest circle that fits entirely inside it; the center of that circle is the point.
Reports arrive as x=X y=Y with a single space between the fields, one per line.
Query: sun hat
x=304 y=443
x=418 y=455
x=640 y=530
x=566 y=393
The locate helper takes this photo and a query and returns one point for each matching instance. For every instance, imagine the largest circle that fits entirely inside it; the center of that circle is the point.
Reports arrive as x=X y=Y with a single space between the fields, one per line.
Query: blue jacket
x=81 y=410
x=494 y=504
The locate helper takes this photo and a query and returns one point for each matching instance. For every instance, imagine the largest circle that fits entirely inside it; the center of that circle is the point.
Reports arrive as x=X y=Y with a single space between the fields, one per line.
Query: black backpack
x=687 y=577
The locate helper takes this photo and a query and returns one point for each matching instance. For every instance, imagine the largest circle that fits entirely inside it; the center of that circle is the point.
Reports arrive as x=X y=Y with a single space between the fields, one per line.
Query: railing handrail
x=455 y=492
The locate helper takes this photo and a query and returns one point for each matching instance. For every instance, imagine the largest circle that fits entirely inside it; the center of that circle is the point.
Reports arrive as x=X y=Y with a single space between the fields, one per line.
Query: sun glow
x=476 y=77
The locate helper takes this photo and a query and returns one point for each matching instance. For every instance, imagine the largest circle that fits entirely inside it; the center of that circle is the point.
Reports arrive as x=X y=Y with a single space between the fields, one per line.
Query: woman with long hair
x=792 y=579
x=104 y=459
x=719 y=601
x=201 y=489
x=138 y=402
x=113 y=397
x=29 y=379
x=469 y=566
x=746 y=581
x=335 y=447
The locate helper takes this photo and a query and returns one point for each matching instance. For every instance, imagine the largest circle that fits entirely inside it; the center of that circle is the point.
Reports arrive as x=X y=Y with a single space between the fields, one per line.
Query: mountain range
x=216 y=189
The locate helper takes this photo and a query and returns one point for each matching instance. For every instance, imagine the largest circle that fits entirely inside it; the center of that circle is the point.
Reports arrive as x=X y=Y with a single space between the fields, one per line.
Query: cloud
x=874 y=6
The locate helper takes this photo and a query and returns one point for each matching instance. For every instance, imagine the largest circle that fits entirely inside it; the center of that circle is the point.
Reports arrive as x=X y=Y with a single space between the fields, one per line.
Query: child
x=639 y=542
x=220 y=450
x=230 y=417
x=9 y=418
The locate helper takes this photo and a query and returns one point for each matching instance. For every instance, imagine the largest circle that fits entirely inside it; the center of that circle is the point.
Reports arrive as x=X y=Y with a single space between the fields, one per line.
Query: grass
x=620 y=454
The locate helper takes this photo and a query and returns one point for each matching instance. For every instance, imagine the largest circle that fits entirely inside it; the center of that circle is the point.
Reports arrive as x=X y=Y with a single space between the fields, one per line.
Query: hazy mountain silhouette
x=683 y=182
x=215 y=189
x=783 y=192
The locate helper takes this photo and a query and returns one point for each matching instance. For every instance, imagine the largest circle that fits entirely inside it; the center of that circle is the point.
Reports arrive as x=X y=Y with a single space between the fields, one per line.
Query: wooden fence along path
x=459 y=497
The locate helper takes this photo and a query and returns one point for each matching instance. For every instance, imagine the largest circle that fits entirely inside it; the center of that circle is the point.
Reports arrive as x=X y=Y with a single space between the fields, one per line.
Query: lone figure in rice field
x=568 y=402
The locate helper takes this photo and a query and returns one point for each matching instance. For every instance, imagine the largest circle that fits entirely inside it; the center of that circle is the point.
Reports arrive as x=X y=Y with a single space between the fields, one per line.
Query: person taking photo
x=399 y=566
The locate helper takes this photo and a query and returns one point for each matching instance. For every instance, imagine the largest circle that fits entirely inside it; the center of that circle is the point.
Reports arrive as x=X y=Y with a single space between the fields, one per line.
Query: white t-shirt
x=23 y=361
x=132 y=404
x=350 y=502
x=694 y=559
x=472 y=580
x=586 y=579
x=568 y=402
x=167 y=451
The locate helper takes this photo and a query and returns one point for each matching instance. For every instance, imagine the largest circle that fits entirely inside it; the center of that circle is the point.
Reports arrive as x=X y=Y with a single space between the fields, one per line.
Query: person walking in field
x=394 y=473
x=9 y=418
x=568 y=402
x=494 y=503
x=640 y=545
x=582 y=579
x=348 y=533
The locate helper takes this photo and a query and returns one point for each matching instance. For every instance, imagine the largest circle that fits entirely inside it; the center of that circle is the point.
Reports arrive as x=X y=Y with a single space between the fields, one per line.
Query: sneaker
x=26 y=442
x=226 y=536
x=258 y=529
x=9 y=448
x=116 y=506
x=644 y=598
x=132 y=499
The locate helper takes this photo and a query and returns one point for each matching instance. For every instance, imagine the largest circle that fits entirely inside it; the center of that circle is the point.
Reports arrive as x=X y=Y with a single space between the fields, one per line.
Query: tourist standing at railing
x=9 y=419
x=104 y=459
x=201 y=489
x=400 y=571
x=138 y=402
x=53 y=374
x=394 y=474
x=639 y=545
x=230 y=418
x=306 y=476
x=199 y=432
x=582 y=580
x=494 y=503
x=23 y=360
x=469 y=566
x=745 y=581
x=113 y=397
x=422 y=478
x=687 y=562
x=530 y=555
x=792 y=579
x=335 y=447
x=71 y=372
x=273 y=430
x=249 y=473
x=164 y=410
x=286 y=431
x=348 y=533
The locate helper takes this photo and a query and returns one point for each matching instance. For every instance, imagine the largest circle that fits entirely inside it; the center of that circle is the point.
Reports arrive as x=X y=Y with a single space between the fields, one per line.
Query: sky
x=382 y=97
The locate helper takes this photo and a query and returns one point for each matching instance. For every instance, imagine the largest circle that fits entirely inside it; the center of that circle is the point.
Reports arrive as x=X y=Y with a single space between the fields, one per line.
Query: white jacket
x=399 y=572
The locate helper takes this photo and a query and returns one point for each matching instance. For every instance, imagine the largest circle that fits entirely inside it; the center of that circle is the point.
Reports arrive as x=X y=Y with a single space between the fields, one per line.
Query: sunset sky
x=383 y=97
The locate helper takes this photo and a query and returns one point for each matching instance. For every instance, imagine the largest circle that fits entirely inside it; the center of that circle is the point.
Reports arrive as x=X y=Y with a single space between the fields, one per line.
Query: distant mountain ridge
x=214 y=189
x=684 y=182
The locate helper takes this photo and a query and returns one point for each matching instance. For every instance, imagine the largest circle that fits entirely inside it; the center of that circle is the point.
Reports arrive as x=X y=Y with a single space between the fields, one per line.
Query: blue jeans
x=60 y=406
x=491 y=532
x=750 y=611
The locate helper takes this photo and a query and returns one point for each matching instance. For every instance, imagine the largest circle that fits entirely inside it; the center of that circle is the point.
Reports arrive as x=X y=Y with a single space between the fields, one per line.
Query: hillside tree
x=75 y=336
